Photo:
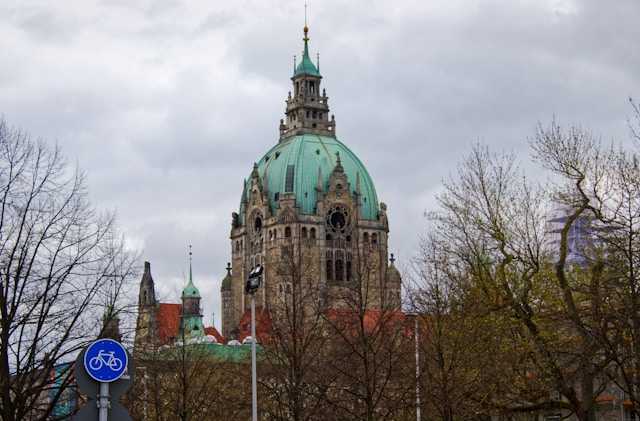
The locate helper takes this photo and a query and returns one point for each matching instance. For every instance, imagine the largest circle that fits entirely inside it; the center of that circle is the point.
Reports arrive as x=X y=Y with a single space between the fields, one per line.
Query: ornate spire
x=190 y=291
x=244 y=192
x=308 y=108
x=339 y=167
x=265 y=181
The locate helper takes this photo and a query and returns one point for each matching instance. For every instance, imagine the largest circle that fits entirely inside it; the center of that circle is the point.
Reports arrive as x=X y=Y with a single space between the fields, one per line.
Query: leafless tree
x=292 y=354
x=494 y=222
x=369 y=360
x=60 y=261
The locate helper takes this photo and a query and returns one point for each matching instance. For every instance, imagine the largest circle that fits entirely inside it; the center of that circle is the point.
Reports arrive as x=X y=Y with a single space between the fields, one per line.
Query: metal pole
x=103 y=402
x=417 y=371
x=254 y=375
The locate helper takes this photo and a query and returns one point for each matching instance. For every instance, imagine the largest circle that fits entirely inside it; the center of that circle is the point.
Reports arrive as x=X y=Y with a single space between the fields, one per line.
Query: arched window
x=329 y=269
x=374 y=239
x=304 y=232
x=348 y=270
x=365 y=238
x=339 y=269
x=287 y=232
x=313 y=233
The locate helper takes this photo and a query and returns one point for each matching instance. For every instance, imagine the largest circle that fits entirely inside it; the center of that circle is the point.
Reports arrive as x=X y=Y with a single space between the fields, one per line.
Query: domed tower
x=309 y=206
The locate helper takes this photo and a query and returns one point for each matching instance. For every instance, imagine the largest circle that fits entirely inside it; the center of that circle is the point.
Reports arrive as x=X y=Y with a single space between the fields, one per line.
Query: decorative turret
x=228 y=306
x=226 y=282
x=308 y=109
x=393 y=285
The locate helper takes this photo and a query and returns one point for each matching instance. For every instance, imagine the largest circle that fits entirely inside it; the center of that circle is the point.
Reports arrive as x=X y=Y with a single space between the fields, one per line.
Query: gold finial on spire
x=306 y=28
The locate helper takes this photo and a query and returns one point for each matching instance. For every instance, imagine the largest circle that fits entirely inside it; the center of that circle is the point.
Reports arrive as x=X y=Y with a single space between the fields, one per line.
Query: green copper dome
x=295 y=164
x=190 y=291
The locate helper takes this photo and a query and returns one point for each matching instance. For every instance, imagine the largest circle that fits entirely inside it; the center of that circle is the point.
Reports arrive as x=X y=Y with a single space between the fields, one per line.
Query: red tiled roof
x=168 y=319
x=169 y=324
x=373 y=319
x=605 y=397
x=263 y=325
x=346 y=318
x=211 y=330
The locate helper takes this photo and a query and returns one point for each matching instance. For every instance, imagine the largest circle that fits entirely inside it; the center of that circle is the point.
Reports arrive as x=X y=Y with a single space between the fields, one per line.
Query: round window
x=338 y=220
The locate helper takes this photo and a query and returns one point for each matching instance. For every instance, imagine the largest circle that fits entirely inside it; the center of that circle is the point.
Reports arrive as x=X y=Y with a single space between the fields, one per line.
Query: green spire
x=306 y=66
x=190 y=290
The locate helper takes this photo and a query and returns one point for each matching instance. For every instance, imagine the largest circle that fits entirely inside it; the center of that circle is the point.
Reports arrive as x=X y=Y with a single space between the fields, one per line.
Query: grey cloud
x=168 y=104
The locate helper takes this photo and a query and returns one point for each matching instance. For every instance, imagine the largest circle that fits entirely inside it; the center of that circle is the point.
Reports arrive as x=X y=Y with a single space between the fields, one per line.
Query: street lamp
x=253 y=284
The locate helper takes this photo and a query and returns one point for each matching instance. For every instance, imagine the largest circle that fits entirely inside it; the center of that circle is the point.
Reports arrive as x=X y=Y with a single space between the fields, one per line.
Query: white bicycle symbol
x=106 y=358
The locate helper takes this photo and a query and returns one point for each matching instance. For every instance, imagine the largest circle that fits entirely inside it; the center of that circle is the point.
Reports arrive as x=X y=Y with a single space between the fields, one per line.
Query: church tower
x=191 y=317
x=146 y=325
x=309 y=213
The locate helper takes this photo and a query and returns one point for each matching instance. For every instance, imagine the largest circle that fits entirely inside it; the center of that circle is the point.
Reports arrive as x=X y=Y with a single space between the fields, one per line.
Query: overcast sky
x=167 y=104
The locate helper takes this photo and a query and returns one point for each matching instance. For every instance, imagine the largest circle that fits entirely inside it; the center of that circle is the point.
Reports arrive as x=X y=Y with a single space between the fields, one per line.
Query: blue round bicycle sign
x=105 y=360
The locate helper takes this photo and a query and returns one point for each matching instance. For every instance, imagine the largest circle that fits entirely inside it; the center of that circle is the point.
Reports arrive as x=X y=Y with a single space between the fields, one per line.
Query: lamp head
x=254 y=280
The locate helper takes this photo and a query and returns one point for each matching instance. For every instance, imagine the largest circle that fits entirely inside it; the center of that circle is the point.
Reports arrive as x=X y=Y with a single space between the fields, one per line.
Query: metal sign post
x=104 y=362
x=253 y=283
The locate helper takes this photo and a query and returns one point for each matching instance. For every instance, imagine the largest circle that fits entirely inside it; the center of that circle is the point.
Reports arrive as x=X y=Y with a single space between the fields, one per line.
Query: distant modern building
x=581 y=235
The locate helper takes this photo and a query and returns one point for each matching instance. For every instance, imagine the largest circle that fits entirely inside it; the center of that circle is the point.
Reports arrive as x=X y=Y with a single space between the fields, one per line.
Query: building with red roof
x=161 y=324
